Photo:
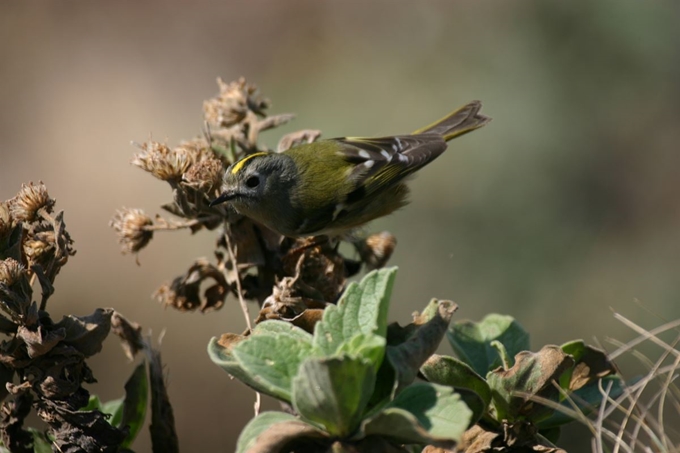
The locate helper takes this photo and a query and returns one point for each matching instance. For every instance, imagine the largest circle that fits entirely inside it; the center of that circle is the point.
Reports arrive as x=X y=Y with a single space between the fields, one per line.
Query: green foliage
x=474 y=342
x=351 y=382
x=129 y=411
x=521 y=390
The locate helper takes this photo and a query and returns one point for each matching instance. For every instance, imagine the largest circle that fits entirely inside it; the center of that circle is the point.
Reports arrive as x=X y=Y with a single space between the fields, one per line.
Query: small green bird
x=333 y=186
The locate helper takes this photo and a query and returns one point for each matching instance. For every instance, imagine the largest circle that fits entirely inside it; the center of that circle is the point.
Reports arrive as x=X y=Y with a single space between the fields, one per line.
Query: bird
x=335 y=186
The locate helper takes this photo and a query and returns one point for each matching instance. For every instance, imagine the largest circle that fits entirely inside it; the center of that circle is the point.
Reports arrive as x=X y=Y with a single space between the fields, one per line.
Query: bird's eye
x=253 y=181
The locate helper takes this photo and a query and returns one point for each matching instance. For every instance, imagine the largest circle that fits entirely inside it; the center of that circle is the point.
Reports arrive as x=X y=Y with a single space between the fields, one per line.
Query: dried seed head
x=130 y=225
x=196 y=150
x=30 y=199
x=11 y=271
x=377 y=249
x=40 y=247
x=5 y=219
x=234 y=103
x=162 y=162
x=205 y=175
x=167 y=295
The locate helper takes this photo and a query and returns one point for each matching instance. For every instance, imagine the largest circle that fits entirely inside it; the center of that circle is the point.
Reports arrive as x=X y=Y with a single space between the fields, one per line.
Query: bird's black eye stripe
x=253 y=181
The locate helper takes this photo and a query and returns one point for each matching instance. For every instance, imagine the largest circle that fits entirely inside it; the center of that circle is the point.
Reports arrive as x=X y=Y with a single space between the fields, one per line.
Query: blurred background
x=564 y=209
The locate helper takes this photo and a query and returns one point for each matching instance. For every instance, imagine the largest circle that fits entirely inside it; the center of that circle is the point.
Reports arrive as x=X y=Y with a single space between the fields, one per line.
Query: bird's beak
x=225 y=196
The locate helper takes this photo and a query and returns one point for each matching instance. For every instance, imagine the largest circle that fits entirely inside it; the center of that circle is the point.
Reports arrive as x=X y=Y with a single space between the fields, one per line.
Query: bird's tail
x=462 y=121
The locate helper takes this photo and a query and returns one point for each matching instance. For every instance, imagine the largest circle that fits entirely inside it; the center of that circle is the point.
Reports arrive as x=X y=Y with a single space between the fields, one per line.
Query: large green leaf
x=472 y=341
x=135 y=403
x=361 y=309
x=333 y=392
x=272 y=361
x=271 y=431
x=220 y=351
x=419 y=340
x=422 y=413
x=455 y=373
x=370 y=347
x=276 y=327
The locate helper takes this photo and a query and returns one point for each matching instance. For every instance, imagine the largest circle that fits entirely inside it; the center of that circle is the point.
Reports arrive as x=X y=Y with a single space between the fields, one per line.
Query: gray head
x=255 y=183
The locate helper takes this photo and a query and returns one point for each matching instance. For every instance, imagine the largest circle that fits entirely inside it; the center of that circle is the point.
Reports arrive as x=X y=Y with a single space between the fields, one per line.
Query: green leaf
x=587 y=399
x=333 y=392
x=367 y=346
x=472 y=341
x=271 y=431
x=271 y=362
x=276 y=327
x=423 y=338
x=93 y=403
x=455 y=373
x=422 y=413
x=133 y=407
x=220 y=351
x=532 y=375
x=115 y=409
x=41 y=444
x=361 y=309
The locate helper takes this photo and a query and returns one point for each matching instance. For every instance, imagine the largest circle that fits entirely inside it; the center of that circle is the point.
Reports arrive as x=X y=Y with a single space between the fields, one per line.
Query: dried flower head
x=196 y=150
x=162 y=162
x=377 y=249
x=11 y=271
x=130 y=225
x=40 y=247
x=205 y=175
x=5 y=219
x=236 y=101
x=184 y=293
x=30 y=199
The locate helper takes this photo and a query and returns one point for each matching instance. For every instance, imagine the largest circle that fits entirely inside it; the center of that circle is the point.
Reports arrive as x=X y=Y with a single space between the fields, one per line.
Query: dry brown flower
x=184 y=293
x=130 y=225
x=236 y=101
x=377 y=249
x=40 y=247
x=196 y=150
x=11 y=271
x=162 y=162
x=205 y=175
x=30 y=199
x=5 y=219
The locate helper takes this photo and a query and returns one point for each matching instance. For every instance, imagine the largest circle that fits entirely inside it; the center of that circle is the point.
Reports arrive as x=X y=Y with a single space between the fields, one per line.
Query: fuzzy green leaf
x=272 y=361
x=220 y=351
x=472 y=341
x=366 y=346
x=276 y=327
x=361 y=309
x=455 y=373
x=271 y=431
x=267 y=361
x=422 y=413
x=333 y=392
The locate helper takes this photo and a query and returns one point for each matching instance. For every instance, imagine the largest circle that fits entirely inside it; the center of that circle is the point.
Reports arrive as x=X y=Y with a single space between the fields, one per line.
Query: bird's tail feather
x=455 y=124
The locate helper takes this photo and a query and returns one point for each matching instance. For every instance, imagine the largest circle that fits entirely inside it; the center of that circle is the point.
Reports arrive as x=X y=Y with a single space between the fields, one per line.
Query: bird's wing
x=381 y=162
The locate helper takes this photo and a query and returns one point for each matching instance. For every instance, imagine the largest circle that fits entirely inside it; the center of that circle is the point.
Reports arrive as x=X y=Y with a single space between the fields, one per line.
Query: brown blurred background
x=565 y=207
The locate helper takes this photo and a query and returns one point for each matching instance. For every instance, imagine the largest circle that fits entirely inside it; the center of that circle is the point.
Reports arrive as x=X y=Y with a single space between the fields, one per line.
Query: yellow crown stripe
x=239 y=165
